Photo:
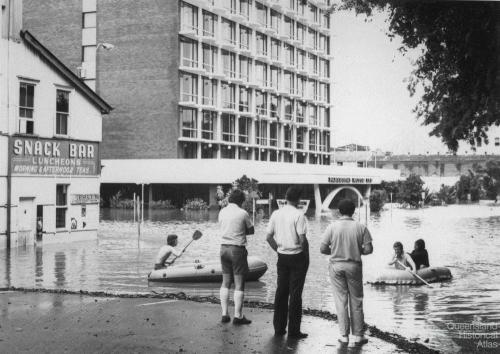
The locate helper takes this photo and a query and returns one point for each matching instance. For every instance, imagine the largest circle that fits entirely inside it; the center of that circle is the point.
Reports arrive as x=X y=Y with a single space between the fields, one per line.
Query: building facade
x=434 y=165
x=201 y=79
x=50 y=133
x=218 y=87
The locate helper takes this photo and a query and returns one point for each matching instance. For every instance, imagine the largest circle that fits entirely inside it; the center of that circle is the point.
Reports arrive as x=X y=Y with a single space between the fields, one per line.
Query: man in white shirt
x=166 y=251
x=235 y=225
x=286 y=234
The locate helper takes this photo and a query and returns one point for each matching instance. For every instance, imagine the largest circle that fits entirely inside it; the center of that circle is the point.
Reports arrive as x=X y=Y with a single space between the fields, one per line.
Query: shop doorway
x=26 y=222
x=39 y=222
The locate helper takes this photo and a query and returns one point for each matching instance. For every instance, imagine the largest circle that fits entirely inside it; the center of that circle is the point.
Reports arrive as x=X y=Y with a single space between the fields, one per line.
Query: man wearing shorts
x=235 y=225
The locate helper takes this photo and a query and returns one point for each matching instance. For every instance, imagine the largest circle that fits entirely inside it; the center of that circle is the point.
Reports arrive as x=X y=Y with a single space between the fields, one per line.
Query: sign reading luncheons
x=350 y=180
x=53 y=157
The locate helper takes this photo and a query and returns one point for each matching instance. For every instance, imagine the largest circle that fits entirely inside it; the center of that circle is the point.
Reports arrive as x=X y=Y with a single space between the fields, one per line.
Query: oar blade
x=197 y=235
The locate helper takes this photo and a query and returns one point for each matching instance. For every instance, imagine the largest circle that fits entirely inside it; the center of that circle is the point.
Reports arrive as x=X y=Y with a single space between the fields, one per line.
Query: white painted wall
x=84 y=121
x=17 y=61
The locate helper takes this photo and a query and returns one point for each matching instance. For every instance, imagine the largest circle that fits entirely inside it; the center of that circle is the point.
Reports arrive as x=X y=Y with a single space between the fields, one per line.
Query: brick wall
x=139 y=77
x=57 y=24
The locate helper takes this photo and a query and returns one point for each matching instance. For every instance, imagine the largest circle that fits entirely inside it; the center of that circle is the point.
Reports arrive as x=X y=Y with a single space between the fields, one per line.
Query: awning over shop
x=209 y=171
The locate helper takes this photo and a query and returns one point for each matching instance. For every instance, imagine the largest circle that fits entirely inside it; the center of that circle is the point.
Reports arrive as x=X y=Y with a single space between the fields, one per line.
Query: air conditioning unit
x=81 y=72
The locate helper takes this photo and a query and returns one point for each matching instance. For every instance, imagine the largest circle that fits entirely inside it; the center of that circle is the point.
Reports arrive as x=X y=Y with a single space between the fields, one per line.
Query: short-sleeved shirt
x=234 y=223
x=346 y=238
x=164 y=253
x=286 y=224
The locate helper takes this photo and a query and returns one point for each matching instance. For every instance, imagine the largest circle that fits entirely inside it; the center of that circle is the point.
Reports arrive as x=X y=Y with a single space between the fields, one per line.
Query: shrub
x=195 y=204
x=468 y=184
x=447 y=194
x=117 y=201
x=410 y=191
x=377 y=200
x=161 y=204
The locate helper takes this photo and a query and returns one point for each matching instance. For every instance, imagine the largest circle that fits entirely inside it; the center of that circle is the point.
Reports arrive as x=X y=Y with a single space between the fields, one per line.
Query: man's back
x=286 y=224
x=346 y=238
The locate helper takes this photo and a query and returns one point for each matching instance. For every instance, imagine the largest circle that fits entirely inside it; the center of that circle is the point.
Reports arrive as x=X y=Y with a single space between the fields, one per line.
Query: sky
x=372 y=105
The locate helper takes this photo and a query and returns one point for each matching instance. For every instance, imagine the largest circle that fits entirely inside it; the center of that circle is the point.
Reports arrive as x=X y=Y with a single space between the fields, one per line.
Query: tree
x=490 y=178
x=377 y=200
x=469 y=184
x=458 y=69
x=410 y=191
x=251 y=188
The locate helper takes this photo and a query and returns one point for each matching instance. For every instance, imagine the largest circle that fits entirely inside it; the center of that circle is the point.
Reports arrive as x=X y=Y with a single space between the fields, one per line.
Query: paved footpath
x=59 y=323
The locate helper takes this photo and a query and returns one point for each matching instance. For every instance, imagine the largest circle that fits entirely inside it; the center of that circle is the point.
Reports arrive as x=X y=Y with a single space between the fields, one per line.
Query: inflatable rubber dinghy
x=403 y=277
x=204 y=272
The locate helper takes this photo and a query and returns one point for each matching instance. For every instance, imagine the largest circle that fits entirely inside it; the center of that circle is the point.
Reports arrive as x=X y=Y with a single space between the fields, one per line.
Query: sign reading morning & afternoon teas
x=53 y=157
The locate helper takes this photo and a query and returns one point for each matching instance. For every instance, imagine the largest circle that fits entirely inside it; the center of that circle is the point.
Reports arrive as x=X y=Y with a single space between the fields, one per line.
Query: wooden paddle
x=415 y=275
x=196 y=236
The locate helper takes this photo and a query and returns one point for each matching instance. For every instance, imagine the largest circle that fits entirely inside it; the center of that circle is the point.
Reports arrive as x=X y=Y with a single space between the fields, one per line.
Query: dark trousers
x=292 y=271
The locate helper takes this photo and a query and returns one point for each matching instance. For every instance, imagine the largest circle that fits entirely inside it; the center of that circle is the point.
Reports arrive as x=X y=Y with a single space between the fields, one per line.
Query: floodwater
x=464 y=238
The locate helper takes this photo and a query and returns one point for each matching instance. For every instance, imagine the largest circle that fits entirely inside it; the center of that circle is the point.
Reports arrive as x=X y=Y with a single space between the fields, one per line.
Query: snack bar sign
x=51 y=157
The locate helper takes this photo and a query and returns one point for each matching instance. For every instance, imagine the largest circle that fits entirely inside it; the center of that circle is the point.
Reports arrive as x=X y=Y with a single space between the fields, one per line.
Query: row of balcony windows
x=265 y=11
x=213 y=28
x=258 y=12
x=251 y=102
x=231 y=67
x=194 y=150
x=244 y=130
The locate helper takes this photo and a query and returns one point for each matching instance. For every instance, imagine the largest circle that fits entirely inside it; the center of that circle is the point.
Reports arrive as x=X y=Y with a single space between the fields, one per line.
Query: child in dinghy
x=162 y=259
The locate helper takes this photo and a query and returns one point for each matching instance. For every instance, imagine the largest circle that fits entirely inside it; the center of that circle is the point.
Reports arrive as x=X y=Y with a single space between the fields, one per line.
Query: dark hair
x=398 y=245
x=171 y=239
x=420 y=243
x=346 y=207
x=293 y=194
x=237 y=197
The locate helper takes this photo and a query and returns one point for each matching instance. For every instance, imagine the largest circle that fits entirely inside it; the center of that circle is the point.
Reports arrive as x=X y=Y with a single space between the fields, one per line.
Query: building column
x=150 y=195
x=212 y=194
x=368 y=192
x=317 y=199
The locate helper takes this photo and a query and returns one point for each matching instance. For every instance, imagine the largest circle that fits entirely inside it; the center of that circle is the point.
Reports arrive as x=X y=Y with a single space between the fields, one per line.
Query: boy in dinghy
x=402 y=260
x=166 y=251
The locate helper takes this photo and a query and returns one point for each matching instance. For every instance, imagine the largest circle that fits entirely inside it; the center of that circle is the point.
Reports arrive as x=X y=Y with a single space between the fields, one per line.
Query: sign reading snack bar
x=350 y=180
x=84 y=198
x=53 y=157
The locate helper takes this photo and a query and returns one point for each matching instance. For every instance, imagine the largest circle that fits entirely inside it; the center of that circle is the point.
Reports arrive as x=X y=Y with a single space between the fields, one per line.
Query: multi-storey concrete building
x=205 y=79
x=244 y=82
x=50 y=133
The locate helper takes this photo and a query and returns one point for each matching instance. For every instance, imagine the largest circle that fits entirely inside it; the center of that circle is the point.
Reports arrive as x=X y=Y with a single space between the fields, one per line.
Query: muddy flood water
x=464 y=238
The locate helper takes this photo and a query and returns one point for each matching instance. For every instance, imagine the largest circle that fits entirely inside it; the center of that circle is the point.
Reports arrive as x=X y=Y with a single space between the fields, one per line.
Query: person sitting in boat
x=402 y=260
x=420 y=255
x=162 y=259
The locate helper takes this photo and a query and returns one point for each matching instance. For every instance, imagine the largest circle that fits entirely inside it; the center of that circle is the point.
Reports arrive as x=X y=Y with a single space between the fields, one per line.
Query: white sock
x=224 y=300
x=238 y=303
x=358 y=338
x=344 y=338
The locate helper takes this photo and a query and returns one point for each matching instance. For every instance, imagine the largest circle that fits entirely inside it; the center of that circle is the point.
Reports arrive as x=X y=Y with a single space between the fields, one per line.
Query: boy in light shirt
x=162 y=259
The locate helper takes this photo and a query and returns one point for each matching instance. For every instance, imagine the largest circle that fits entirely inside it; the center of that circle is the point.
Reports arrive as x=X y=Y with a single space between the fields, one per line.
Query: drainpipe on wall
x=9 y=192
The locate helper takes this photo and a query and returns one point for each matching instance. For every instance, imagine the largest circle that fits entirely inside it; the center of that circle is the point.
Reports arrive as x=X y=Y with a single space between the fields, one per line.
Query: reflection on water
x=463 y=238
